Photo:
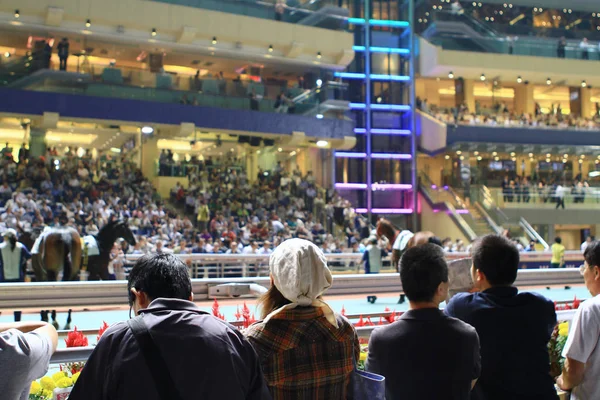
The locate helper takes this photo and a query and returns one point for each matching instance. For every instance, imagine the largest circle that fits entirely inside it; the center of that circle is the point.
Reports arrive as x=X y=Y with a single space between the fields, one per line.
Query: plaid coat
x=305 y=357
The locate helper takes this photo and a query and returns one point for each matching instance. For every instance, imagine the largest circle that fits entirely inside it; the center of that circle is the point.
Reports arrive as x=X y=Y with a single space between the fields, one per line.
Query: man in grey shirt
x=205 y=357
x=25 y=351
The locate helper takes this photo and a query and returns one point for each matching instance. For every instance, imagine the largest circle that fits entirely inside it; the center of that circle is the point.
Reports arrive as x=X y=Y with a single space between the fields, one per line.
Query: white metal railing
x=66 y=294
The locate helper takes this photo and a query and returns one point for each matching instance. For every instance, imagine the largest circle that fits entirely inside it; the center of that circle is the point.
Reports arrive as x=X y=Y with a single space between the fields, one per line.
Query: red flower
x=576 y=303
x=103 y=329
x=343 y=312
x=360 y=322
x=76 y=338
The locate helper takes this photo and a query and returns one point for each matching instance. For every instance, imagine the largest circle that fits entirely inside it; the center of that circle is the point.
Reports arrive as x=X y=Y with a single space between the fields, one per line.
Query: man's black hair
x=160 y=275
x=558 y=240
x=422 y=269
x=592 y=254
x=498 y=258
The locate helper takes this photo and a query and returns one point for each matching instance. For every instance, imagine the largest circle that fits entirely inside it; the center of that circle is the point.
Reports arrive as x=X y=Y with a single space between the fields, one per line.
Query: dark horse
x=63 y=248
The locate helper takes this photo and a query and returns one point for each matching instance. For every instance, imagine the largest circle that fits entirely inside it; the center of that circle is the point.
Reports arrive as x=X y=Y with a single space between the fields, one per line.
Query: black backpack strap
x=154 y=360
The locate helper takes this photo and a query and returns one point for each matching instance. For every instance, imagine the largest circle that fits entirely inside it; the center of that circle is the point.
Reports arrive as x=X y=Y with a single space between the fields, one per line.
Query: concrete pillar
x=580 y=101
x=251 y=165
x=524 y=103
x=37 y=142
x=464 y=93
x=150 y=156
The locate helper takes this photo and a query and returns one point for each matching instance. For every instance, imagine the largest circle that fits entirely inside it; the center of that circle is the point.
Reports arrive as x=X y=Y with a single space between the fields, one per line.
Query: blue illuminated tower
x=379 y=173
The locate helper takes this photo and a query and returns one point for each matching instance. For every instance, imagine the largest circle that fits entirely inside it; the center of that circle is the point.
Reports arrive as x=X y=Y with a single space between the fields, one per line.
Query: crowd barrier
x=257 y=265
x=82 y=353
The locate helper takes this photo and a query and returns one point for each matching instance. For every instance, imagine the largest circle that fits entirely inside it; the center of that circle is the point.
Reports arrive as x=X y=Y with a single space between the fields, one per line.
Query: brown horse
x=59 y=249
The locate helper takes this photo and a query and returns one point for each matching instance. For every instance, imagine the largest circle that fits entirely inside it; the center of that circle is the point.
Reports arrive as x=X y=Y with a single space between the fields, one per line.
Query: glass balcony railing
x=329 y=14
x=521 y=47
x=325 y=101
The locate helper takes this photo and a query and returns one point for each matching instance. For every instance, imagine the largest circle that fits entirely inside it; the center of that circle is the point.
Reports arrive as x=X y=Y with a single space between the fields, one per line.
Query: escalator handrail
x=487 y=196
x=456 y=217
x=533 y=233
x=497 y=228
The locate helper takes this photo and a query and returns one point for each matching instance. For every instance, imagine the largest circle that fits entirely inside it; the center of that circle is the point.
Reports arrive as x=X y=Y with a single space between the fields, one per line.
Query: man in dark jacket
x=204 y=357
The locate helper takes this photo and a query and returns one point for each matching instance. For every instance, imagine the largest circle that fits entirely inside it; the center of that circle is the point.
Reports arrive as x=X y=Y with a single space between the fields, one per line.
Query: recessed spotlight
x=319 y=116
x=319 y=82
x=462 y=158
x=495 y=154
x=17 y=14
x=476 y=153
x=583 y=83
x=319 y=55
x=530 y=155
x=479 y=158
x=7 y=54
x=482 y=77
x=519 y=79
x=450 y=75
x=88 y=23
x=153 y=32
x=270 y=48
x=458 y=152
x=447 y=157
x=548 y=81
x=147 y=130
x=322 y=143
x=214 y=40
x=512 y=154
x=279 y=149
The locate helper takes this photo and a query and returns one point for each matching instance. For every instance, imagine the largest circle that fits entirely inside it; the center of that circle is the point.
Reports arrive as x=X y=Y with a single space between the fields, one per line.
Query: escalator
x=461 y=31
x=318 y=13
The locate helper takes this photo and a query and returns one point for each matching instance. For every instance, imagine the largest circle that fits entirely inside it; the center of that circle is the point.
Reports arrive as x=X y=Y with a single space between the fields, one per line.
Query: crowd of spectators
x=501 y=116
x=236 y=215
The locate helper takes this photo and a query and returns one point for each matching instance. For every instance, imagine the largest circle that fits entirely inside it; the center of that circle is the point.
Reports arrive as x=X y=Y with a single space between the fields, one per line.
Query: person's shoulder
x=459 y=326
x=463 y=301
x=591 y=305
x=536 y=298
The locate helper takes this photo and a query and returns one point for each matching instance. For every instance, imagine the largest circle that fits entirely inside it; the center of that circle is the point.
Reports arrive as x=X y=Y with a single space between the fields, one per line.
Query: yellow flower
x=48 y=383
x=58 y=376
x=75 y=377
x=64 y=383
x=36 y=388
x=363 y=356
x=563 y=328
x=47 y=393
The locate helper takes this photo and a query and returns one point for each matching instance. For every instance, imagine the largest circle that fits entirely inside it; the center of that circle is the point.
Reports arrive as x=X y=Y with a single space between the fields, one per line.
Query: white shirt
x=584 y=246
x=582 y=346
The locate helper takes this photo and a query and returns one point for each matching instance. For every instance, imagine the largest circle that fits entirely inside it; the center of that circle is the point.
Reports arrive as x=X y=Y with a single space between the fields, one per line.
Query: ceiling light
x=547 y=160
x=147 y=130
x=319 y=116
x=496 y=158
x=548 y=81
x=319 y=82
x=7 y=54
x=582 y=156
x=476 y=153
x=293 y=153
x=279 y=149
x=530 y=154
x=494 y=154
x=447 y=157
x=459 y=152
x=214 y=40
x=17 y=14
x=512 y=154
x=462 y=158
x=322 y=143
x=88 y=23
x=450 y=75
x=580 y=161
x=270 y=48
x=564 y=160
x=548 y=155
x=583 y=83
x=482 y=77
x=519 y=79
x=153 y=31
x=565 y=155
x=319 y=55
x=479 y=158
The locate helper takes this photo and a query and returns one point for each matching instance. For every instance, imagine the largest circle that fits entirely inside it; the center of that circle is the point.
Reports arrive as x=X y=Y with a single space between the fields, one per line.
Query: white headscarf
x=300 y=273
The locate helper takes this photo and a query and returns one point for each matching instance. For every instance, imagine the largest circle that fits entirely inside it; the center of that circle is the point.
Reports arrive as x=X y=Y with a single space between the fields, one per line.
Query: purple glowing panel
x=433 y=186
x=346 y=154
x=350 y=185
x=397 y=186
x=445 y=187
x=377 y=131
x=360 y=210
x=388 y=107
x=361 y=130
x=462 y=211
x=392 y=156
x=358 y=106
x=392 y=210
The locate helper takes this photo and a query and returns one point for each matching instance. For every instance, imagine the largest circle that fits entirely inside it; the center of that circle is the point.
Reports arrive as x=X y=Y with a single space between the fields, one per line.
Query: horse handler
x=13 y=260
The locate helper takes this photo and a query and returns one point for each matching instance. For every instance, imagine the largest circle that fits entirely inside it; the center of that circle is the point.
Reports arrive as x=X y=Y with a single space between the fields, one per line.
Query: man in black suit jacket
x=425 y=354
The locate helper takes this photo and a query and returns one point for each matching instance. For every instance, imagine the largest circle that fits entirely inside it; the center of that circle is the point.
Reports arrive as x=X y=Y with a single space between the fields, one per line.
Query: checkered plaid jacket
x=305 y=357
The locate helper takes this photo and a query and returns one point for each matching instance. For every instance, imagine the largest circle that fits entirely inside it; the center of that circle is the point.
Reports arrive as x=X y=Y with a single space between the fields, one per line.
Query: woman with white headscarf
x=306 y=350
